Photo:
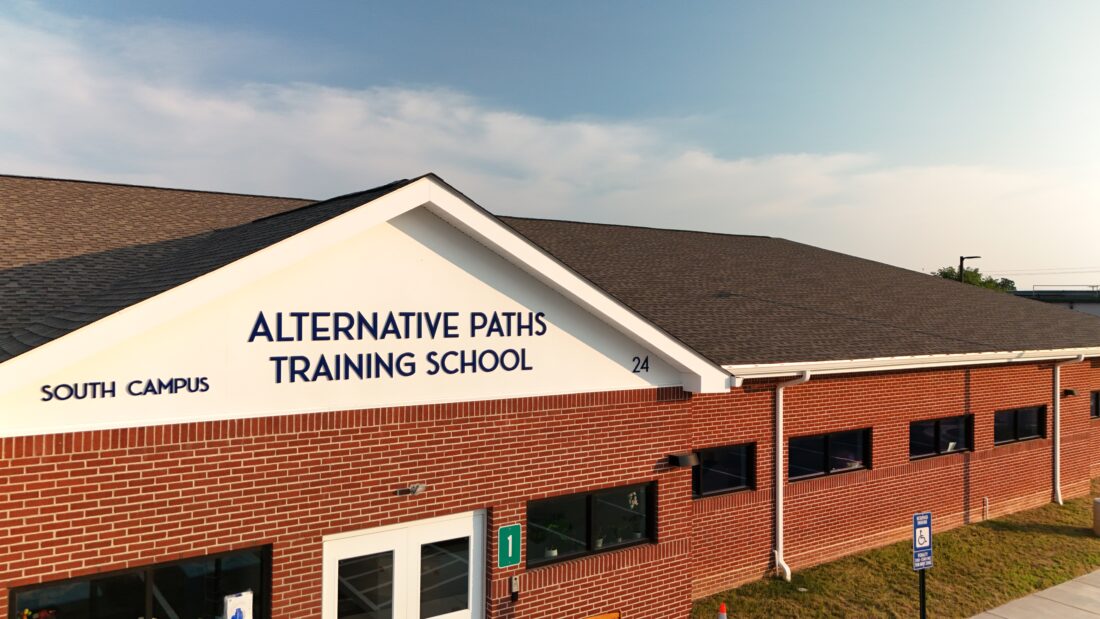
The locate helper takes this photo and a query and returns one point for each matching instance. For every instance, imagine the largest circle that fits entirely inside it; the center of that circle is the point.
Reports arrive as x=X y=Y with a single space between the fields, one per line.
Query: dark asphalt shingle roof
x=42 y=301
x=734 y=299
x=750 y=299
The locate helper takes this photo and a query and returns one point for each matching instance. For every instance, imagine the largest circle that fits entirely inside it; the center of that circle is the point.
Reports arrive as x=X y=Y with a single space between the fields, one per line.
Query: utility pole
x=963 y=259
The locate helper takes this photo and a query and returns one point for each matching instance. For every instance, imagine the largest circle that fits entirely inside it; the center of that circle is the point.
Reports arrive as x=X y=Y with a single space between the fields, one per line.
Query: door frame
x=378 y=539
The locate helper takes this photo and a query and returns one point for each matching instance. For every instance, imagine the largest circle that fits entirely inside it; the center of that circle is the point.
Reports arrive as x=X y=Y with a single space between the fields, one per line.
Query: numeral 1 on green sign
x=508 y=545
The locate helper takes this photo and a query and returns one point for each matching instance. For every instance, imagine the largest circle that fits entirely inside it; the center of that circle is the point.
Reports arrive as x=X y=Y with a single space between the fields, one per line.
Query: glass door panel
x=365 y=587
x=428 y=569
x=444 y=577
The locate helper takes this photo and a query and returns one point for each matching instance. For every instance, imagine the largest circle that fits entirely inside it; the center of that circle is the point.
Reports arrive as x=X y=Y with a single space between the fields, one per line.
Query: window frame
x=968 y=421
x=649 y=536
x=264 y=595
x=1042 y=415
x=697 y=471
x=868 y=435
x=1094 y=405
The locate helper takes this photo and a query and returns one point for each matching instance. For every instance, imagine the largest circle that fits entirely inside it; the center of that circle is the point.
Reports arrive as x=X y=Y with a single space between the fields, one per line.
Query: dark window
x=955 y=434
x=1094 y=404
x=922 y=439
x=1004 y=427
x=846 y=451
x=1019 y=424
x=190 y=589
x=557 y=528
x=724 y=469
x=940 y=436
x=826 y=454
x=807 y=456
x=1027 y=424
x=582 y=524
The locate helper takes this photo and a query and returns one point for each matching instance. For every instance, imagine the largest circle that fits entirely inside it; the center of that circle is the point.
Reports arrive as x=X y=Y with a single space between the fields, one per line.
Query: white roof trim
x=885 y=364
x=699 y=374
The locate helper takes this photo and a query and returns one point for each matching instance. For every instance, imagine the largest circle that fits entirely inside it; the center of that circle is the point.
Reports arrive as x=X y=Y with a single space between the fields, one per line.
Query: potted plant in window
x=558 y=530
x=605 y=536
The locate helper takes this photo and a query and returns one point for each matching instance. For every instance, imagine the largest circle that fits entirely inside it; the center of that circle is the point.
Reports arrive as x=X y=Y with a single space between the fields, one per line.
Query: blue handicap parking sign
x=922 y=541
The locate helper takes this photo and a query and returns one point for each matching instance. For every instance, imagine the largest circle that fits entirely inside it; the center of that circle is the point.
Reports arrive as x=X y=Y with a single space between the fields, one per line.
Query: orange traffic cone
x=722 y=611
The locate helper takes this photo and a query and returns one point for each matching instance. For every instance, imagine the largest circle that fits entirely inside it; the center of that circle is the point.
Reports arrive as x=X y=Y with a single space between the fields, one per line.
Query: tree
x=974 y=277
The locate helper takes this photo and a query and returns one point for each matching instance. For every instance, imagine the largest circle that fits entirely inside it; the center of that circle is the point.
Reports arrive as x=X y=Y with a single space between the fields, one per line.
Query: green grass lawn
x=977 y=567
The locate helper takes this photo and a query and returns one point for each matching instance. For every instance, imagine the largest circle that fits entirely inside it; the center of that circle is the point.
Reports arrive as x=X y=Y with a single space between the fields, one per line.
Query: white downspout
x=1057 y=430
x=781 y=565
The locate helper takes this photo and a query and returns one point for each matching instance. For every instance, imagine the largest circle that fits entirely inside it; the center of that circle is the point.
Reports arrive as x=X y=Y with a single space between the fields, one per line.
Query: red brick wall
x=836 y=515
x=90 y=502
x=78 y=504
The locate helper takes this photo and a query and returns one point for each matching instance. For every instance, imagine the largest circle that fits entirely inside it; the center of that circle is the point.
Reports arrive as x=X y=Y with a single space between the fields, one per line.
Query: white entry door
x=426 y=569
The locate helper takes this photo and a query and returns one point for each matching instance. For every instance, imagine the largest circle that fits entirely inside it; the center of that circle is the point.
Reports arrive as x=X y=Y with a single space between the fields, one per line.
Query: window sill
x=1018 y=441
x=592 y=553
x=946 y=453
x=696 y=497
x=791 y=480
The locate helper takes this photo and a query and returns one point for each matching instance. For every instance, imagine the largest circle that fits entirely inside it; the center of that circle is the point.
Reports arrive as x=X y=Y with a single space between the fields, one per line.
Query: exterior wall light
x=412 y=490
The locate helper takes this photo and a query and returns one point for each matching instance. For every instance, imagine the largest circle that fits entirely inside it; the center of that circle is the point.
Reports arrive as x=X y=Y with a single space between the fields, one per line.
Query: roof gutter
x=916 y=362
x=780 y=565
x=1056 y=447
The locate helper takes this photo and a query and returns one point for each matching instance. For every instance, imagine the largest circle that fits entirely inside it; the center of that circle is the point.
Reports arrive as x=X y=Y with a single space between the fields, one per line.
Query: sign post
x=922 y=552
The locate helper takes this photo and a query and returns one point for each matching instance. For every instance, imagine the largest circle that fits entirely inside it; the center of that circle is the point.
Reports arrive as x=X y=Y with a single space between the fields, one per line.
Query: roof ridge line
x=395 y=184
x=136 y=186
x=655 y=228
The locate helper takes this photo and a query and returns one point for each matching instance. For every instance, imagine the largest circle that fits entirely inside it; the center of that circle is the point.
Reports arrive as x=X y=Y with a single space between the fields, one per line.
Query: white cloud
x=134 y=104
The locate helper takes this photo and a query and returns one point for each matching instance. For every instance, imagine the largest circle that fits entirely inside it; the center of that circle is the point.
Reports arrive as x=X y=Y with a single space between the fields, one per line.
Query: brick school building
x=395 y=404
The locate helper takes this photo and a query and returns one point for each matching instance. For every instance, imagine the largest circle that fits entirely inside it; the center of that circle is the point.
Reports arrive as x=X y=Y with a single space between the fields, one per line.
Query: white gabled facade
x=471 y=290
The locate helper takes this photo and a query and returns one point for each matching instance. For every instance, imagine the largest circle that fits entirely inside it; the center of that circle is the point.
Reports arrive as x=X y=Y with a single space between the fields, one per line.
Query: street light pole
x=963 y=259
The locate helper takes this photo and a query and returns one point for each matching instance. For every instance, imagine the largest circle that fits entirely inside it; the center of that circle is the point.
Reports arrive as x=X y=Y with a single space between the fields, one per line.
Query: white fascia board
x=916 y=362
x=699 y=374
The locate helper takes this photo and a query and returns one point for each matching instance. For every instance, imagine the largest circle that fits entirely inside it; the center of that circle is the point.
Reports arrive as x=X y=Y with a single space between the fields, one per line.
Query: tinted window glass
x=940 y=436
x=1004 y=426
x=557 y=527
x=186 y=590
x=196 y=589
x=113 y=597
x=365 y=587
x=192 y=589
x=1027 y=423
x=807 y=456
x=581 y=524
x=444 y=577
x=119 y=597
x=846 y=451
x=1094 y=405
x=922 y=438
x=953 y=434
x=66 y=600
x=619 y=516
x=722 y=469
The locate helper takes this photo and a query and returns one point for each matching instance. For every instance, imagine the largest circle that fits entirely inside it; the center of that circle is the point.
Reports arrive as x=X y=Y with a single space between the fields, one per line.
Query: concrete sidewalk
x=1078 y=598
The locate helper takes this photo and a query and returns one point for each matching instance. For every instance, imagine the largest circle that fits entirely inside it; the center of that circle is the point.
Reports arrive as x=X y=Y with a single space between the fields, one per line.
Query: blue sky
x=902 y=132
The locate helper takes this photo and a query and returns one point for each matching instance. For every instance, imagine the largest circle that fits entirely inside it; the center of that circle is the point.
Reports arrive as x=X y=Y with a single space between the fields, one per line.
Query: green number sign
x=508 y=544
